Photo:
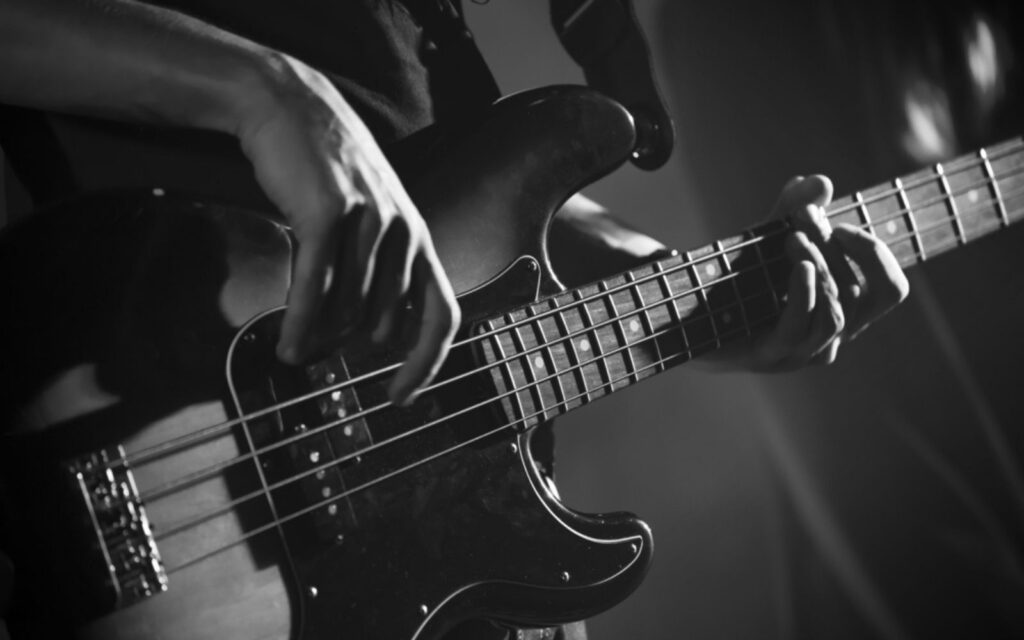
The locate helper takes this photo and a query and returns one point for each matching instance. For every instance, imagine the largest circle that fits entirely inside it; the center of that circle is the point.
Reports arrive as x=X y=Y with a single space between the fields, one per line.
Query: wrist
x=245 y=85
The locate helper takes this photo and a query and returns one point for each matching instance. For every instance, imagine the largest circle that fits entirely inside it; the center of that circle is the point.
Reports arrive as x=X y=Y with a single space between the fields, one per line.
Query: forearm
x=128 y=61
x=587 y=243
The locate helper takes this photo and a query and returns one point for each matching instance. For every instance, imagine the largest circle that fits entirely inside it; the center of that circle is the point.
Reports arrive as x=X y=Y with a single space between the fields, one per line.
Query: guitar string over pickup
x=123 y=532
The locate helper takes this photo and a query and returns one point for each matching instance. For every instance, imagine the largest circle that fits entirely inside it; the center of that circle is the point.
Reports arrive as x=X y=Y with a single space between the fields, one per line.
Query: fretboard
x=567 y=350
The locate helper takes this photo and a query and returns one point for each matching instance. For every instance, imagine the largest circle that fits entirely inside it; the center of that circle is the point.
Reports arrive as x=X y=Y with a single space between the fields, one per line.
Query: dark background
x=882 y=497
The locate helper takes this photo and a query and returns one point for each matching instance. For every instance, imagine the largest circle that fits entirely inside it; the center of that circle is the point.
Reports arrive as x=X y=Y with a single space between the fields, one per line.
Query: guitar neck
x=567 y=350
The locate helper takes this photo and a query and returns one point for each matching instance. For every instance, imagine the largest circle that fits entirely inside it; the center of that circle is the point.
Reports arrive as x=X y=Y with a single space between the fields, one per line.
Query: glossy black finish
x=157 y=284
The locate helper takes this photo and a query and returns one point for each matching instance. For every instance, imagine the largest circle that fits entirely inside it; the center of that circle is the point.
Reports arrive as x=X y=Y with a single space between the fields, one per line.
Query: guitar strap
x=461 y=82
x=604 y=37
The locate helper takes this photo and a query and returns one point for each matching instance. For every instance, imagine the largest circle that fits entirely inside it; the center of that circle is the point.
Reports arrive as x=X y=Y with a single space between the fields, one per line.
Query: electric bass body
x=165 y=476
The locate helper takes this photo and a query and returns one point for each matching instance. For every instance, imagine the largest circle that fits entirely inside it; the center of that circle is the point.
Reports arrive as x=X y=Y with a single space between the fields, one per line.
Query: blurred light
x=982 y=57
x=929 y=134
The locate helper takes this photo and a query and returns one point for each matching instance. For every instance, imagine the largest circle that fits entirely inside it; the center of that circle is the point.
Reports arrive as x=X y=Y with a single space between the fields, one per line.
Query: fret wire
x=638 y=297
x=995 y=187
x=922 y=181
x=875 y=198
x=862 y=208
x=702 y=293
x=552 y=364
x=911 y=220
x=507 y=366
x=627 y=358
x=727 y=269
x=952 y=202
x=527 y=363
x=563 y=326
x=677 y=319
x=596 y=349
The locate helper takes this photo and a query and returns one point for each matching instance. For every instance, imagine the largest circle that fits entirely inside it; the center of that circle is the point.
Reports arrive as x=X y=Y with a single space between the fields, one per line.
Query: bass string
x=526 y=388
x=368 y=485
x=204 y=473
x=508 y=425
x=207 y=472
x=197 y=437
x=970 y=163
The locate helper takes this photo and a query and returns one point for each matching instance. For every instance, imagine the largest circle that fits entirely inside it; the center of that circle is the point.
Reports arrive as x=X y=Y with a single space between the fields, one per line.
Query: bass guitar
x=164 y=476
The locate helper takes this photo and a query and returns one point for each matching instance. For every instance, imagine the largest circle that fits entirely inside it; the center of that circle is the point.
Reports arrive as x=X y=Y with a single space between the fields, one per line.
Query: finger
x=801 y=191
x=828 y=354
x=392 y=275
x=777 y=346
x=305 y=296
x=813 y=221
x=356 y=263
x=885 y=283
x=827 y=317
x=820 y=343
x=438 y=320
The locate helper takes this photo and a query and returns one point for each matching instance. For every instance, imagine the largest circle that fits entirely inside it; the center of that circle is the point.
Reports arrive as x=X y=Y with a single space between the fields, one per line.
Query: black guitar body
x=143 y=317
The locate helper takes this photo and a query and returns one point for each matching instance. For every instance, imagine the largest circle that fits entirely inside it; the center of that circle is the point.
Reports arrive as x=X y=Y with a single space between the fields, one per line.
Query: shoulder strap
x=458 y=68
x=605 y=38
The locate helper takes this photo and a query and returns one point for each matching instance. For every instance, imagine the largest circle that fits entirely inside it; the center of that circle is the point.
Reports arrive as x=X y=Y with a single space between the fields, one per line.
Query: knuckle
x=451 y=314
x=456 y=314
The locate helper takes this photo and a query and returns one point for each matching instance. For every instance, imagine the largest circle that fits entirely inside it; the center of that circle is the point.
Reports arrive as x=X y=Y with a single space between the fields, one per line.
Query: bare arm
x=587 y=242
x=127 y=61
x=364 y=251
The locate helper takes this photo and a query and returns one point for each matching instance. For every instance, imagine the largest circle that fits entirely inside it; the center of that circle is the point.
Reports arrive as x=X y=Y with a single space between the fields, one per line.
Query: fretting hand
x=826 y=301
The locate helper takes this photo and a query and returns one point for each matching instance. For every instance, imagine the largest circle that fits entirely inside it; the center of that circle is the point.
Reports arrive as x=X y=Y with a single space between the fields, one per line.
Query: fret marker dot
x=538 y=362
x=727 y=317
x=336 y=396
x=314 y=457
x=332 y=509
x=711 y=269
x=891 y=226
x=972 y=195
x=634 y=326
x=326 y=492
x=348 y=430
x=584 y=345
